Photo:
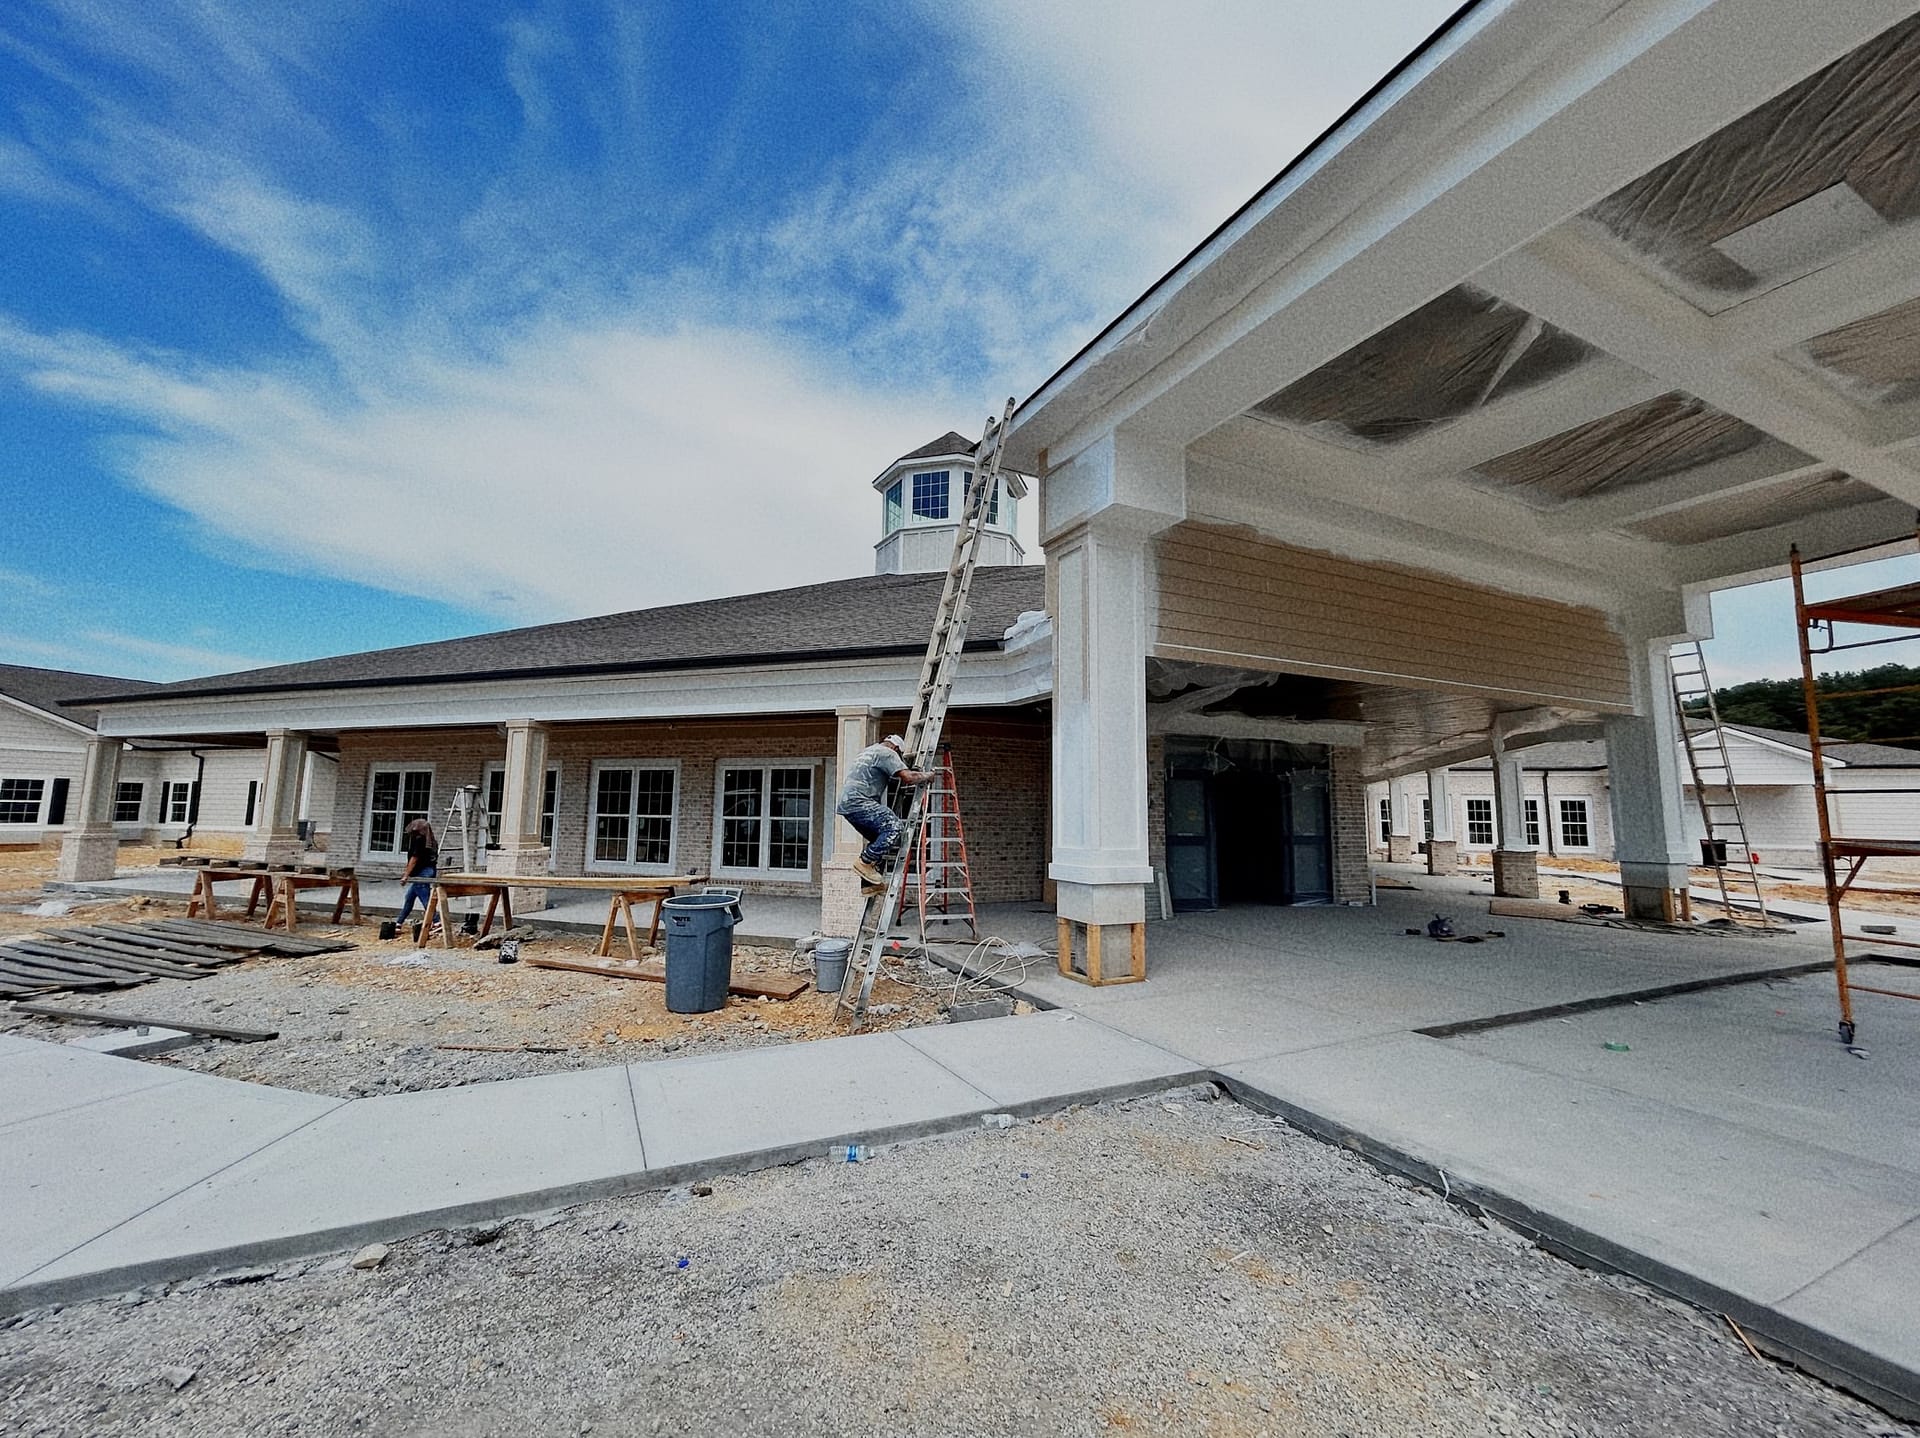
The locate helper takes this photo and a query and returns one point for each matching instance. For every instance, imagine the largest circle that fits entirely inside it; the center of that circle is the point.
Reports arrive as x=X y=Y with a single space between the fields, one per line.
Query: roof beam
x=1879 y=275
x=1761 y=467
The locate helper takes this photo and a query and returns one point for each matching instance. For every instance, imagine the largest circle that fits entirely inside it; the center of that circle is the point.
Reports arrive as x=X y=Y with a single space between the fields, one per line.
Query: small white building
x=1874 y=793
x=165 y=792
x=921 y=495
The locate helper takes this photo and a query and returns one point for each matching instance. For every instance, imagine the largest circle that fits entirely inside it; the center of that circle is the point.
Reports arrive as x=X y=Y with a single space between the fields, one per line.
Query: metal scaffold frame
x=1896 y=608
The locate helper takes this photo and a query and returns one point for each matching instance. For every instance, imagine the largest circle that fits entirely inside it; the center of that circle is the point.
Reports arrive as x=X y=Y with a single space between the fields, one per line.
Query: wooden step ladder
x=928 y=717
x=1714 y=790
x=938 y=873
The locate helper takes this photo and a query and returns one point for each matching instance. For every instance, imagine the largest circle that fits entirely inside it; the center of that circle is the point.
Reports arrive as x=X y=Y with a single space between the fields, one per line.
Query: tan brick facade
x=1001 y=765
x=1347 y=798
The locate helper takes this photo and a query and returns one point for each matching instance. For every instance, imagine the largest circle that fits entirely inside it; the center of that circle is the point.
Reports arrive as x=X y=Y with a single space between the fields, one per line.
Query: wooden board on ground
x=750 y=986
x=141 y=1021
x=247 y=937
x=106 y=954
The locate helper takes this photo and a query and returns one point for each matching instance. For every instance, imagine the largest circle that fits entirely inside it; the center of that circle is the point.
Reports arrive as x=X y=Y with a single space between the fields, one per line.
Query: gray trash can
x=699 y=930
x=830 y=964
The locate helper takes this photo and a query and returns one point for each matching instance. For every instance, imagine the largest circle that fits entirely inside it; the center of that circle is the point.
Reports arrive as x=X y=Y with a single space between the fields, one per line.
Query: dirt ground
x=1894 y=891
x=1171 y=1266
x=385 y=1017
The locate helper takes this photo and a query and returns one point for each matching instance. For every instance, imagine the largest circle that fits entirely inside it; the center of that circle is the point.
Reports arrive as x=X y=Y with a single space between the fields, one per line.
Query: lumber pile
x=86 y=957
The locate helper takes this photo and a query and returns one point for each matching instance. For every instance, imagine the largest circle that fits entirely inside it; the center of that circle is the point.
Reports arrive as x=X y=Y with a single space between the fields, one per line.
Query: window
x=176 y=803
x=127 y=797
x=395 y=798
x=549 y=801
x=890 y=509
x=1480 y=822
x=1574 y=832
x=930 y=494
x=1533 y=823
x=253 y=803
x=633 y=813
x=1426 y=818
x=993 y=504
x=765 y=819
x=20 y=800
x=1386 y=821
x=496 y=798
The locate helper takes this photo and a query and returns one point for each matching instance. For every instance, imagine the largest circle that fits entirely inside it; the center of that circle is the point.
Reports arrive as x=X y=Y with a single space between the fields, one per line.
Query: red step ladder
x=937 y=872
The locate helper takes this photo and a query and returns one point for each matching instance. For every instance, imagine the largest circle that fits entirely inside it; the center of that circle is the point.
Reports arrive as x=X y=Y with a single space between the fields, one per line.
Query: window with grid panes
x=1533 y=823
x=1386 y=821
x=496 y=794
x=176 y=803
x=395 y=798
x=1426 y=818
x=1574 y=830
x=20 y=800
x=126 y=801
x=930 y=492
x=766 y=818
x=549 y=800
x=890 y=509
x=632 y=814
x=1480 y=822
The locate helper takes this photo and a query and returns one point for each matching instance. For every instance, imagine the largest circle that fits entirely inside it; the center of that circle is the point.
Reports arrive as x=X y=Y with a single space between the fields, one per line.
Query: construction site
x=1312 y=955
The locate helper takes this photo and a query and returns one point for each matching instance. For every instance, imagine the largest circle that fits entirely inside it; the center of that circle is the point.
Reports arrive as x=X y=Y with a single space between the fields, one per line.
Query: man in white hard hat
x=863 y=800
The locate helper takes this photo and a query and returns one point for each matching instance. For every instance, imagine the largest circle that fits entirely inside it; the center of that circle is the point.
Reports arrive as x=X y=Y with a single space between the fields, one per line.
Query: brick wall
x=1347 y=797
x=1002 y=770
x=1156 y=808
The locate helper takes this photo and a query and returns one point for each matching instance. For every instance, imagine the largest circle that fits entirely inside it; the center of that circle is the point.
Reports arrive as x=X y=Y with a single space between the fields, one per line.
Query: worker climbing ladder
x=1725 y=848
x=940 y=884
x=928 y=717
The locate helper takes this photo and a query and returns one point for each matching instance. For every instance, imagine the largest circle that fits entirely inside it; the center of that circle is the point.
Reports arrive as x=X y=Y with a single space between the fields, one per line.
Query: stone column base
x=274 y=846
x=88 y=853
x=1649 y=891
x=1443 y=856
x=841 y=902
x=1516 y=874
x=1400 y=848
x=533 y=863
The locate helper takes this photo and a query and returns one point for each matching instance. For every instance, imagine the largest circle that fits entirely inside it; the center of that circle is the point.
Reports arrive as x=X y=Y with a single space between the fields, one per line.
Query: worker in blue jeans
x=863 y=800
x=423 y=862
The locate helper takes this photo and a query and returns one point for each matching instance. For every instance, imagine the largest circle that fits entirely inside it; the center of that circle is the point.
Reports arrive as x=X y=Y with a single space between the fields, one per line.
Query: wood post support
x=1095 y=974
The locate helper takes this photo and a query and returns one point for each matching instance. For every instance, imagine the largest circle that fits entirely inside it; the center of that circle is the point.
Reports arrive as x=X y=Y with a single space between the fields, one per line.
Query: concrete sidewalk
x=121 y=1173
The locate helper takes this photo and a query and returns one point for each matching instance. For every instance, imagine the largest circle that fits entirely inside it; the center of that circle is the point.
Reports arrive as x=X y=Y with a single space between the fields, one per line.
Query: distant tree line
x=1877 y=718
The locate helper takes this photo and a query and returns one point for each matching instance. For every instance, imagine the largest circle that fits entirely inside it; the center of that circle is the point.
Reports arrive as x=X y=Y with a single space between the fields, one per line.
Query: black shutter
x=57 y=803
x=253 y=794
x=193 y=803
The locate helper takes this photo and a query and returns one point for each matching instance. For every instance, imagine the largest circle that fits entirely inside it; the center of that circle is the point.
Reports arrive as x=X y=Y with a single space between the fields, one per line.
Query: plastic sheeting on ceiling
x=1448 y=357
x=1875 y=360
x=1854 y=124
x=1665 y=435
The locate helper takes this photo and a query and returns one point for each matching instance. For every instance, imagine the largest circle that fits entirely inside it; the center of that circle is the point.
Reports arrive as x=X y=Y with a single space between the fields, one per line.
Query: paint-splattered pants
x=877 y=824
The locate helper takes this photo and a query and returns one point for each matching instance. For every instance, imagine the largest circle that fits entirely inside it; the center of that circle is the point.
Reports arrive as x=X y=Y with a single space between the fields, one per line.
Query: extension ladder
x=926 y=720
x=1713 y=788
x=938 y=873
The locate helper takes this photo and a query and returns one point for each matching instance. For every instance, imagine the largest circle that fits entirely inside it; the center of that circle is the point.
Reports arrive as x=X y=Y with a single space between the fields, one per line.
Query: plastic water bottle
x=850 y=1153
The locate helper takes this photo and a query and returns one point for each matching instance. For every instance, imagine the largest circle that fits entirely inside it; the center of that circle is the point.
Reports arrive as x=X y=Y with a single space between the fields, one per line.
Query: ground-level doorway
x=1249 y=821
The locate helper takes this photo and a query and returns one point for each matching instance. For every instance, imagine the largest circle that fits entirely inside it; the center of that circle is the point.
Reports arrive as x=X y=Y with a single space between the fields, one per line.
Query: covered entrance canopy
x=1578 y=315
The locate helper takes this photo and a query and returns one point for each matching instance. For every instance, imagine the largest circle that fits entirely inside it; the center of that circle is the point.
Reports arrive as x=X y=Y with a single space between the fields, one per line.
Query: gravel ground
x=1169 y=1266
x=373 y=1019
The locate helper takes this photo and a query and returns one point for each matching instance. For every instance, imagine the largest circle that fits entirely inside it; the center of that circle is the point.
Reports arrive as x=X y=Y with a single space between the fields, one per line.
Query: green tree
x=1867 y=717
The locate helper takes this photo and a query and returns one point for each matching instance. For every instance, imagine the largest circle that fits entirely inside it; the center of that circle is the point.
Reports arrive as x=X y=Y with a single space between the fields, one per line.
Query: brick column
x=522 y=788
x=1516 y=867
x=1399 y=823
x=91 y=849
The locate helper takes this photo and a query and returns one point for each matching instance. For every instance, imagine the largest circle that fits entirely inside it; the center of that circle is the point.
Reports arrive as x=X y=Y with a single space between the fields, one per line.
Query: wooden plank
x=751 y=986
x=41 y=982
x=100 y=956
x=180 y=950
x=626 y=883
x=247 y=938
x=68 y=975
x=108 y=945
x=137 y=1021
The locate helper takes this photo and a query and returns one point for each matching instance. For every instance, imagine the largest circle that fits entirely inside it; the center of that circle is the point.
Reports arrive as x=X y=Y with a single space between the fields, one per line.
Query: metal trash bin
x=1713 y=853
x=830 y=964
x=699 y=930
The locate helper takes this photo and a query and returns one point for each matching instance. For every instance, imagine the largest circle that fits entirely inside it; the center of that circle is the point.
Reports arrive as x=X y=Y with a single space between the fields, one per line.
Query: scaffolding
x=1896 y=608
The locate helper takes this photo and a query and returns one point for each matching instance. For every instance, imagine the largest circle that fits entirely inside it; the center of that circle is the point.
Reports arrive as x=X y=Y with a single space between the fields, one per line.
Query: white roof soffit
x=1632 y=291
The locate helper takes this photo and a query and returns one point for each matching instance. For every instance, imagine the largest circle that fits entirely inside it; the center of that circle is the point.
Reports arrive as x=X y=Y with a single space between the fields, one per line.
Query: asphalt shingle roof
x=1854 y=753
x=882 y=614
x=952 y=442
x=45 y=689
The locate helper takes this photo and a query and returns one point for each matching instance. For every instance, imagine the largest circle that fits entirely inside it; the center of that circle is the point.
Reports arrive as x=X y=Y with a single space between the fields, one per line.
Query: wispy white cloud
x=175 y=658
x=27 y=584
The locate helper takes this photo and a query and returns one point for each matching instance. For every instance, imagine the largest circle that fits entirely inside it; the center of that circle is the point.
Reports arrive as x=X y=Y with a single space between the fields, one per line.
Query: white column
x=523 y=787
x=90 y=849
x=1516 y=865
x=840 y=898
x=1645 y=789
x=276 y=834
x=1443 y=854
x=1399 y=822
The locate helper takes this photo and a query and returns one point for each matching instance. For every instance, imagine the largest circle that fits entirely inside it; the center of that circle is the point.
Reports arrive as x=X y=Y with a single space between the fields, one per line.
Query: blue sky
x=337 y=326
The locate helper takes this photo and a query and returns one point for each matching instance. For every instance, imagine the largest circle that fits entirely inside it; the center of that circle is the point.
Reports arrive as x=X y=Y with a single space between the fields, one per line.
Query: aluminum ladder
x=1714 y=790
x=928 y=717
x=939 y=874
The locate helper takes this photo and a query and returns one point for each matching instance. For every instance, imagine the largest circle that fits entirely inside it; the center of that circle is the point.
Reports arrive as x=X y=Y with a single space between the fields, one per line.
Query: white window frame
x=499 y=766
x=139 y=805
x=814 y=828
x=1426 y=818
x=913 y=515
x=399 y=850
x=40 y=804
x=163 y=813
x=1560 y=823
x=1492 y=825
x=1530 y=821
x=595 y=865
x=1386 y=822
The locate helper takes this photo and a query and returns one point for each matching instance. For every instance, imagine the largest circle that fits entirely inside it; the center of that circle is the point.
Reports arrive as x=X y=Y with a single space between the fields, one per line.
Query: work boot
x=869 y=873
